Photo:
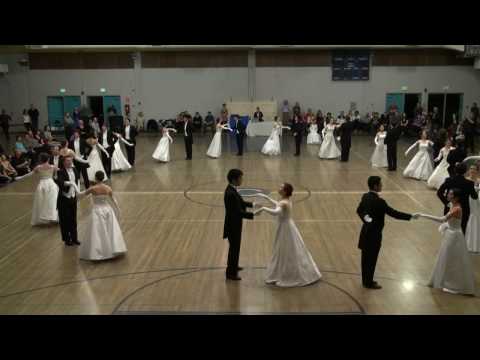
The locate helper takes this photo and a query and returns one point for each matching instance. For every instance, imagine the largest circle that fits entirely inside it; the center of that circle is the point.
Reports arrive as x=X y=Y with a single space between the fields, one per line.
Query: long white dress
x=472 y=233
x=272 y=145
x=453 y=268
x=103 y=238
x=420 y=167
x=291 y=263
x=329 y=148
x=44 y=208
x=441 y=171
x=119 y=162
x=379 y=156
x=95 y=162
x=313 y=137
x=162 y=151
x=215 y=148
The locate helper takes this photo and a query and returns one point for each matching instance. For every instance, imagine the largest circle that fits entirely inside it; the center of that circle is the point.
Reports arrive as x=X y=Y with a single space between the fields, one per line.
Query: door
x=436 y=100
x=55 y=112
x=397 y=100
x=411 y=101
x=453 y=106
x=96 y=106
x=114 y=101
x=70 y=103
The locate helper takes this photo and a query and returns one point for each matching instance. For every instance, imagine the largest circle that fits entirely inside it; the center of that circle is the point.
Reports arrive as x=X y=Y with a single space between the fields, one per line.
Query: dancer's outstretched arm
x=169 y=137
x=439 y=157
x=266 y=197
x=226 y=127
x=411 y=148
x=275 y=212
x=103 y=149
x=376 y=139
x=440 y=219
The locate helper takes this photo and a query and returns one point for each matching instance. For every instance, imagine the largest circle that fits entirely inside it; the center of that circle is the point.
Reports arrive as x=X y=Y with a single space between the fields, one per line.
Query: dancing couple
x=291 y=264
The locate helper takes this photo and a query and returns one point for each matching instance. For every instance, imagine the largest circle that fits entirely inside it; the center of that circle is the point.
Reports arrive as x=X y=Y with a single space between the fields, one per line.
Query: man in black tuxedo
x=393 y=135
x=456 y=156
x=107 y=140
x=258 y=115
x=235 y=212
x=298 y=128
x=130 y=133
x=467 y=188
x=240 y=132
x=372 y=211
x=67 y=201
x=188 y=135
x=346 y=130
x=34 y=115
x=82 y=150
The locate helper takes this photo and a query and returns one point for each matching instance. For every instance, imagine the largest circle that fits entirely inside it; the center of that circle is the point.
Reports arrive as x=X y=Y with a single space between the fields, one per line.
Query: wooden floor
x=172 y=219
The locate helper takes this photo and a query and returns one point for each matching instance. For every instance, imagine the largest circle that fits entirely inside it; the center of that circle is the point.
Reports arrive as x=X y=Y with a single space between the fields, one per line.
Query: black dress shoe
x=75 y=242
x=374 y=286
x=240 y=268
x=68 y=243
x=234 y=278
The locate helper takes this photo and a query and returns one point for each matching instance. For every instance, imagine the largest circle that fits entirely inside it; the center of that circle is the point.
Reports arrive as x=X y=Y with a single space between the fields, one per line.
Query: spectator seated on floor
x=8 y=168
x=21 y=163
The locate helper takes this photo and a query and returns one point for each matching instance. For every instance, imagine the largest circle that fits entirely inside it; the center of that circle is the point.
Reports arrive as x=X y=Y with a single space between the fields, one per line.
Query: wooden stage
x=172 y=219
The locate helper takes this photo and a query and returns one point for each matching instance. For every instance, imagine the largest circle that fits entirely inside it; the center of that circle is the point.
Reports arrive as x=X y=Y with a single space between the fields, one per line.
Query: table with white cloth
x=259 y=128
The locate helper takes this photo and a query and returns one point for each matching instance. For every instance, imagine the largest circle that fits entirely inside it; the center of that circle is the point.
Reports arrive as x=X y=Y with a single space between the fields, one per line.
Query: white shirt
x=127 y=132
x=76 y=145
x=55 y=160
x=105 y=139
x=186 y=123
x=71 y=191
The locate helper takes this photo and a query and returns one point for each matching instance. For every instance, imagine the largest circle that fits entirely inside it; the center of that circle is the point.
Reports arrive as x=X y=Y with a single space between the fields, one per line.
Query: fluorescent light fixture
x=102 y=90
x=62 y=90
x=404 y=88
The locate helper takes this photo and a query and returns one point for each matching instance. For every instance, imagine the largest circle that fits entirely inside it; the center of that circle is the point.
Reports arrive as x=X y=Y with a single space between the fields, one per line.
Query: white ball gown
x=379 y=156
x=329 y=148
x=453 y=268
x=420 y=167
x=44 y=208
x=103 y=238
x=119 y=161
x=215 y=149
x=441 y=171
x=472 y=233
x=272 y=146
x=162 y=151
x=291 y=263
x=95 y=162
x=313 y=137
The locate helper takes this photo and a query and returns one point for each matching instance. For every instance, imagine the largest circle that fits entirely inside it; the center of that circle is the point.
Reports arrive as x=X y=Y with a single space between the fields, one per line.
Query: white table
x=259 y=128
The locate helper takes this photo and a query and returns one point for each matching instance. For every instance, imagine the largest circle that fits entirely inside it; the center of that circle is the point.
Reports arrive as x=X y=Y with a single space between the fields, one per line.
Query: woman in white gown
x=95 y=159
x=441 y=171
x=119 y=161
x=379 y=156
x=103 y=238
x=472 y=232
x=313 y=137
x=272 y=145
x=44 y=210
x=420 y=167
x=453 y=270
x=329 y=148
x=215 y=149
x=291 y=264
x=162 y=151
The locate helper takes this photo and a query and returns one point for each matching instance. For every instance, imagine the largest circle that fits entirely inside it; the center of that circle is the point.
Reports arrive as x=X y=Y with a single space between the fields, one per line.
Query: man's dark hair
x=460 y=168
x=234 y=174
x=43 y=157
x=373 y=181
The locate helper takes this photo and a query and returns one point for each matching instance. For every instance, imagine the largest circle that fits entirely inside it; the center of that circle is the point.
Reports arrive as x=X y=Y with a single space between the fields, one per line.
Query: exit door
x=55 y=112
x=397 y=100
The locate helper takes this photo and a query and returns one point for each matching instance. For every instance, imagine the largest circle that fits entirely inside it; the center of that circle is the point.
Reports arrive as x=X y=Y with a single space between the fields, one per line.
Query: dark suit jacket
x=346 y=134
x=376 y=207
x=393 y=135
x=235 y=212
x=189 y=131
x=133 y=135
x=111 y=140
x=240 y=126
x=454 y=157
x=84 y=147
x=467 y=187
x=62 y=176
x=298 y=128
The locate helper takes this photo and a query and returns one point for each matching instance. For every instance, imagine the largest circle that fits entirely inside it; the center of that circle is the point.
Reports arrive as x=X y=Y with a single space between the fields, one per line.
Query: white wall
x=165 y=92
x=313 y=87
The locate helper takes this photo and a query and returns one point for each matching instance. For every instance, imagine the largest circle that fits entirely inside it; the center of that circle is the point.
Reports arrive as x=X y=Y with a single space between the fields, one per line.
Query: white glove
x=367 y=219
x=68 y=183
x=415 y=216
x=258 y=211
